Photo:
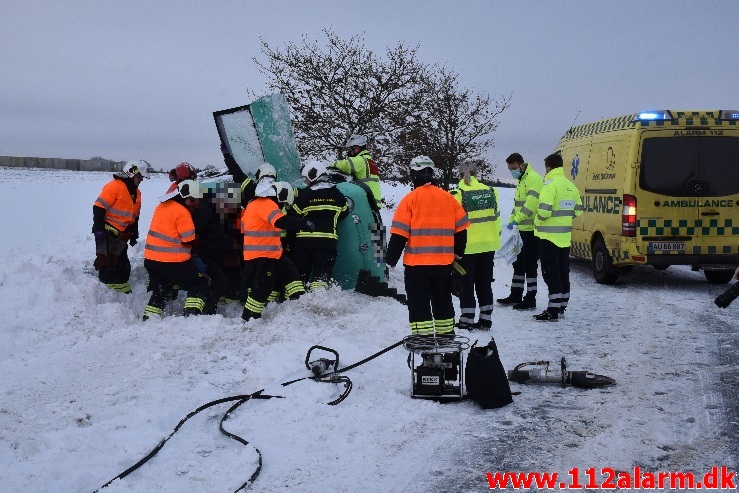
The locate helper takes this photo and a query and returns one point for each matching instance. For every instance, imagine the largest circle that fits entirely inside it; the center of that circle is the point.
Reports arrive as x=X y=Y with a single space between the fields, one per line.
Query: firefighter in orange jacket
x=266 y=269
x=432 y=228
x=115 y=223
x=167 y=254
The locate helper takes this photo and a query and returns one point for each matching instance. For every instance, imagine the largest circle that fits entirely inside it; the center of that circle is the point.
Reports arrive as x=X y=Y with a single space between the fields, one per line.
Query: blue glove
x=99 y=236
x=511 y=224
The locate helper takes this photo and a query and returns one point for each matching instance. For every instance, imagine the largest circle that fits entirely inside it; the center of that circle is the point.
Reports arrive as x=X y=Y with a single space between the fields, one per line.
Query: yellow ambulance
x=658 y=188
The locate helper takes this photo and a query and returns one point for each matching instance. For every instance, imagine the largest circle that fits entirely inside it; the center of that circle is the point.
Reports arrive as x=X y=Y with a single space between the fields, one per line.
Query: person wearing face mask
x=526 y=201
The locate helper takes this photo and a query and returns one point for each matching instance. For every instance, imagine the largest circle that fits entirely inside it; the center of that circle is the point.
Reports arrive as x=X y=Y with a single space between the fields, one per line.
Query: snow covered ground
x=88 y=388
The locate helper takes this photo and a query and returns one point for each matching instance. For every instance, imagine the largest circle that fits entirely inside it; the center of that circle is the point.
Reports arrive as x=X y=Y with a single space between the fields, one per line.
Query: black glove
x=132 y=242
x=456 y=280
x=310 y=226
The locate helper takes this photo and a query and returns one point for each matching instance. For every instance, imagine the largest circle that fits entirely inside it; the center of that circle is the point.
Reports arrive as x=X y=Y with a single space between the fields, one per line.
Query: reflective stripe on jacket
x=481 y=204
x=261 y=236
x=429 y=217
x=526 y=199
x=171 y=227
x=121 y=210
x=364 y=169
x=559 y=204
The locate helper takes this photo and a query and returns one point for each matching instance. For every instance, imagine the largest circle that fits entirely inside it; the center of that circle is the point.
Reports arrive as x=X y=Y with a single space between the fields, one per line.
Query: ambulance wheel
x=718 y=276
x=603 y=269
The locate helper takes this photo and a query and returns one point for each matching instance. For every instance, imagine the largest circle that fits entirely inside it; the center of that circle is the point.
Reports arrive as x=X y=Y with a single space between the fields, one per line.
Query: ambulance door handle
x=710 y=213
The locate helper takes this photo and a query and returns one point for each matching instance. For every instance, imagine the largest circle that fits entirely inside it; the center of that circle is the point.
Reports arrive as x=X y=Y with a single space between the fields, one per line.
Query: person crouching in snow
x=266 y=269
x=180 y=173
x=167 y=254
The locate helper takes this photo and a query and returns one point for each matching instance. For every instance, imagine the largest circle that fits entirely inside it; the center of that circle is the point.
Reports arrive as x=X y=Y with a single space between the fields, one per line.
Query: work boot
x=528 y=303
x=510 y=300
x=483 y=325
x=548 y=316
x=562 y=313
x=247 y=315
x=465 y=326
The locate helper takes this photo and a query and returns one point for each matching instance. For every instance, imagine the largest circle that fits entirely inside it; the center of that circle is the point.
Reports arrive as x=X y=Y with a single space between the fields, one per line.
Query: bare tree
x=343 y=89
x=455 y=127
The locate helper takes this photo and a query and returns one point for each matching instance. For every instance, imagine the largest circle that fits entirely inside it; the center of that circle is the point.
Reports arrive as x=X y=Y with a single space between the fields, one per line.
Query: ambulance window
x=679 y=166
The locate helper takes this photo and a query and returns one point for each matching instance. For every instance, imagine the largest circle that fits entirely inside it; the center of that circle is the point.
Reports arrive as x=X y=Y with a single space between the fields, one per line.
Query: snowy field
x=88 y=388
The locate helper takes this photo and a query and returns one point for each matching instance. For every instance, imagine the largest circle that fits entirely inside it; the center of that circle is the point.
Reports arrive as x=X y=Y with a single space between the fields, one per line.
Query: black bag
x=485 y=377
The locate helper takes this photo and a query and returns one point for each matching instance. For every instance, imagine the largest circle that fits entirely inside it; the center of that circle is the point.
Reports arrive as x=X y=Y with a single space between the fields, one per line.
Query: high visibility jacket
x=429 y=217
x=322 y=204
x=526 y=199
x=121 y=208
x=171 y=228
x=559 y=204
x=481 y=204
x=261 y=236
x=364 y=169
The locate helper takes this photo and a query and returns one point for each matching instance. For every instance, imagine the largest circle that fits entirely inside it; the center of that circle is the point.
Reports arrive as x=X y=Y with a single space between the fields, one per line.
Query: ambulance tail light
x=628 y=216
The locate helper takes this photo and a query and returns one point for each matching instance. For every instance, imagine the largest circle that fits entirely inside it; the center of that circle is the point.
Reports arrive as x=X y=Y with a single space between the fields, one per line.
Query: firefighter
x=314 y=252
x=266 y=269
x=360 y=165
x=432 y=228
x=180 y=173
x=483 y=239
x=559 y=204
x=115 y=224
x=525 y=203
x=167 y=254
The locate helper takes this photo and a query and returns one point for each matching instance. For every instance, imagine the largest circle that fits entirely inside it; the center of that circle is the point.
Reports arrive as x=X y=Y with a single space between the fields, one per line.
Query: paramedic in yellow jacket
x=361 y=166
x=559 y=204
x=480 y=202
x=525 y=203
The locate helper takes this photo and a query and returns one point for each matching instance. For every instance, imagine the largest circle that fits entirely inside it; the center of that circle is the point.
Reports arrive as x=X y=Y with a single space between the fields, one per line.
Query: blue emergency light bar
x=653 y=116
x=728 y=115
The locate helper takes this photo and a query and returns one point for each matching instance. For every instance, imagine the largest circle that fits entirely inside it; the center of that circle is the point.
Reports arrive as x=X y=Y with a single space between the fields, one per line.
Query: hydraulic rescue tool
x=581 y=379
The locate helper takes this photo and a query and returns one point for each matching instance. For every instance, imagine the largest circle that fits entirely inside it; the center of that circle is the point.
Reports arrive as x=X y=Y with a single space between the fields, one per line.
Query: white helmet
x=133 y=168
x=284 y=192
x=189 y=188
x=419 y=163
x=265 y=170
x=356 y=140
x=314 y=170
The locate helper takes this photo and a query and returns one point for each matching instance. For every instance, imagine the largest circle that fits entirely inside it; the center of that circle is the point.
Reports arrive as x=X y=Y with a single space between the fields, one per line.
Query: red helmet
x=183 y=171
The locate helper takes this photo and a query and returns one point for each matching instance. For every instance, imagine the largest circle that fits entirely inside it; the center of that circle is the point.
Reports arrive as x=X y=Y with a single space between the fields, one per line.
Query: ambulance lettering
x=698 y=203
x=607 y=204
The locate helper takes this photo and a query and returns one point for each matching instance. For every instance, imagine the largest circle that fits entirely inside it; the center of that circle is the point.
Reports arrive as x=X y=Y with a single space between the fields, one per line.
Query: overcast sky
x=140 y=79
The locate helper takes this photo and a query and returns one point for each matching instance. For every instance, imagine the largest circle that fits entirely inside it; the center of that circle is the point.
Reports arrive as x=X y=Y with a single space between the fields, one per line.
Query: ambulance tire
x=603 y=269
x=718 y=276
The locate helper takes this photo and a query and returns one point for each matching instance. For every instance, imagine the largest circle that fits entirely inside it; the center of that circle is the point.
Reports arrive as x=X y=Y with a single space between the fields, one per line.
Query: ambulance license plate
x=667 y=246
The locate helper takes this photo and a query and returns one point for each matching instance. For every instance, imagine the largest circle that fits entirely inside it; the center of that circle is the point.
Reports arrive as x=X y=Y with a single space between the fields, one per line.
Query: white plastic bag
x=510 y=245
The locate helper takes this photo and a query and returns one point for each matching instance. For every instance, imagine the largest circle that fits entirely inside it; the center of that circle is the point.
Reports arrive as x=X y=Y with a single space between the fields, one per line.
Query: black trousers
x=315 y=265
x=218 y=285
x=117 y=269
x=555 y=268
x=526 y=265
x=478 y=280
x=265 y=276
x=164 y=275
x=430 y=307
